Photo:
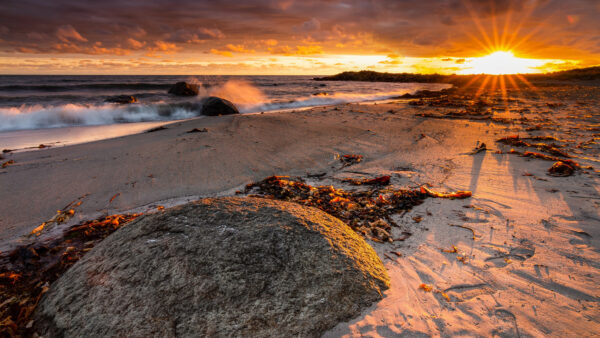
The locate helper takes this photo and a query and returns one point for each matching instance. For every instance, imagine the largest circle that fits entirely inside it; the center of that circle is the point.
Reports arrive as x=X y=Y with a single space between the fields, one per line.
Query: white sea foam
x=243 y=94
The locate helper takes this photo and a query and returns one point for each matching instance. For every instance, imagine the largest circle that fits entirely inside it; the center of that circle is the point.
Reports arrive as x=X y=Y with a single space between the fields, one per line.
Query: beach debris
x=61 y=216
x=159 y=128
x=381 y=180
x=426 y=287
x=7 y=163
x=552 y=149
x=350 y=159
x=445 y=295
x=451 y=195
x=478 y=148
x=453 y=250
x=462 y=259
x=366 y=212
x=4 y=151
x=197 y=130
x=417 y=219
x=545 y=157
x=405 y=235
x=42 y=146
x=27 y=272
x=561 y=169
x=113 y=197
x=430 y=288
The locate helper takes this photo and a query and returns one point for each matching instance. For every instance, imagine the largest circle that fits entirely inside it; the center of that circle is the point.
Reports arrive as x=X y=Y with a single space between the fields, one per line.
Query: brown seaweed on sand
x=27 y=271
x=516 y=141
x=545 y=157
x=561 y=169
x=381 y=180
x=7 y=163
x=367 y=212
x=350 y=159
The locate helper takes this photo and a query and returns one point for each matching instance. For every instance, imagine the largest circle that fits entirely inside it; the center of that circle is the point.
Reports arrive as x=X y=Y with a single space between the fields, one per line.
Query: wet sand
x=528 y=241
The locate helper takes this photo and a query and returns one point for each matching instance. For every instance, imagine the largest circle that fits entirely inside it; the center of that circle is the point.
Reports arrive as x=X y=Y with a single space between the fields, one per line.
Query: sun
x=501 y=63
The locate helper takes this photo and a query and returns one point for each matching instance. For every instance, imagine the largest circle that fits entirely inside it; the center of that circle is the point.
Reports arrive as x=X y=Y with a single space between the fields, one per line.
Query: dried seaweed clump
x=552 y=148
x=368 y=212
x=27 y=271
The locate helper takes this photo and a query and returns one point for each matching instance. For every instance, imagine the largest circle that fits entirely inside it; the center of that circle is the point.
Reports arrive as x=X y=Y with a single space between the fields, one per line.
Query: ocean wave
x=88 y=86
x=39 y=117
x=326 y=100
x=247 y=97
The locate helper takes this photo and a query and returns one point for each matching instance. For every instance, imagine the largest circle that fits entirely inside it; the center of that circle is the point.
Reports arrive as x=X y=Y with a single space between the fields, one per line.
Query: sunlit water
x=44 y=109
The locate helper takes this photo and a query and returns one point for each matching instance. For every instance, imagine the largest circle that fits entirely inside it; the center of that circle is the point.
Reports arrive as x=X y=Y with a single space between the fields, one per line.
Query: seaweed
x=7 y=163
x=381 y=180
x=552 y=149
x=350 y=159
x=561 y=169
x=27 y=272
x=367 y=212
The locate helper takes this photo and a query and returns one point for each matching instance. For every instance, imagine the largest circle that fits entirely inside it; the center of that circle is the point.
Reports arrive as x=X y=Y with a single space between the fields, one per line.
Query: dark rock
x=122 y=99
x=217 y=267
x=184 y=89
x=215 y=106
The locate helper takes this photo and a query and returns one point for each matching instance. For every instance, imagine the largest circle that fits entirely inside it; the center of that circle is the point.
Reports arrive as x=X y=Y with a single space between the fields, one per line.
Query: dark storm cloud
x=410 y=27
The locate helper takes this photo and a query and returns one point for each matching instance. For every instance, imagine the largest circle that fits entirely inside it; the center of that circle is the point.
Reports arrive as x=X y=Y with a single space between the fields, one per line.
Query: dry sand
x=531 y=242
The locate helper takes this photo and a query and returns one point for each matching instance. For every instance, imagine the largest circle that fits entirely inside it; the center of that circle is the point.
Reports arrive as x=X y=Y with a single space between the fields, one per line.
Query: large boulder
x=184 y=89
x=215 y=106
x=217 y=267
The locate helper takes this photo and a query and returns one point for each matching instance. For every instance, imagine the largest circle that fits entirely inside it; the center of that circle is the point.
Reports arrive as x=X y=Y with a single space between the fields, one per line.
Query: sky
x=291 y=36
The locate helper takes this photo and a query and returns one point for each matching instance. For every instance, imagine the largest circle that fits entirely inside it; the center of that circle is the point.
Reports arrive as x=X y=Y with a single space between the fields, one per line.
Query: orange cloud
x=68 y=33
x=135 y=44
x=239 y=49
x=299 y=50
x=222 y=52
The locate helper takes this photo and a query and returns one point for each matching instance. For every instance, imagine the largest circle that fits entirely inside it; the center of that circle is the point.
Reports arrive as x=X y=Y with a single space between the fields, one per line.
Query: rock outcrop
x=184 y=89
x=217 y=267
x=215 y=106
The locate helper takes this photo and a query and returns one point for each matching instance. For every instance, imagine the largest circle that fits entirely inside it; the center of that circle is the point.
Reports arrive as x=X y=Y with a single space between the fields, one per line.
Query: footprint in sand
x=521 y=253
x=507 y=324
x=581 y=238
x=464 y=292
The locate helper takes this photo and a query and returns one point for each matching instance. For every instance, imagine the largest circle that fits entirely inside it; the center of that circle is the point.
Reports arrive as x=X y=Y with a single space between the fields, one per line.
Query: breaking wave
x=246 y=96
x=38 y=117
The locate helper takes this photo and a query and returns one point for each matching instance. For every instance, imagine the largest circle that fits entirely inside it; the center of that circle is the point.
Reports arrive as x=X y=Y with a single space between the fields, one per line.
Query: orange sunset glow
x=290 y=37
x=300 y=168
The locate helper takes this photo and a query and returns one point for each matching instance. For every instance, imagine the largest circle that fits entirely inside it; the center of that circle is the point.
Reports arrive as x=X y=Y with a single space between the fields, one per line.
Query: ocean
x=68 y=103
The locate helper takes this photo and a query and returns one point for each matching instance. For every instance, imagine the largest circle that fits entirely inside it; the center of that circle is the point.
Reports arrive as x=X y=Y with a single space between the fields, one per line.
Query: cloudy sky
x=290 y=36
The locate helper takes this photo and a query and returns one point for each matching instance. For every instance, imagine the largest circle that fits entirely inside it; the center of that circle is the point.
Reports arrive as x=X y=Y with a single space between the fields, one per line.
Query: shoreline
x=531 y=239
x=15 y=144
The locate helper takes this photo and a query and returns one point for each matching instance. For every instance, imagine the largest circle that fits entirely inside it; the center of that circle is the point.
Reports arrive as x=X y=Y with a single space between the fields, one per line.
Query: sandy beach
x=527 y=242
